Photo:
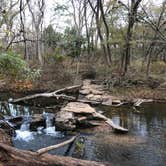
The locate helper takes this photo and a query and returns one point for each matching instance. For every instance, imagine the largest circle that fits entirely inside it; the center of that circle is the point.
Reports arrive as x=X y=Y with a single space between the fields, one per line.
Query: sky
x=49 y=14
x=51 y=3
x=60 y=22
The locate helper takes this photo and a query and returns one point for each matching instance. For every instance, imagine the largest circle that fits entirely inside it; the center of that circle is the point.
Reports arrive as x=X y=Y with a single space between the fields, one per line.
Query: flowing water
x=144 y=145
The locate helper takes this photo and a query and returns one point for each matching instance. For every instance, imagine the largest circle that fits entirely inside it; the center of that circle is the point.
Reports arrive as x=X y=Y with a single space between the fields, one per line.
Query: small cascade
x=24 y=133
x=50 y=127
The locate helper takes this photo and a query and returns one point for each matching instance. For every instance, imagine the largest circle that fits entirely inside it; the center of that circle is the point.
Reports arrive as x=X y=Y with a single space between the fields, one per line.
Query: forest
x=82 y=82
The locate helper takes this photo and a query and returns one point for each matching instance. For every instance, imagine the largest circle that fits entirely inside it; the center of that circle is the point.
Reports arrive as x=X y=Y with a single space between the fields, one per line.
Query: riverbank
x=140 y=89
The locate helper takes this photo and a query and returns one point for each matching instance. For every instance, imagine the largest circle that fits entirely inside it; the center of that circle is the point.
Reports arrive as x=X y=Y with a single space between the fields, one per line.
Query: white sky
x=49 y=18
x=60 y=21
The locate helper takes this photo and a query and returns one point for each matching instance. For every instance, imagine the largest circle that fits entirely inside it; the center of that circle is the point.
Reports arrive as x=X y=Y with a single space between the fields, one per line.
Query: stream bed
x=144 y=145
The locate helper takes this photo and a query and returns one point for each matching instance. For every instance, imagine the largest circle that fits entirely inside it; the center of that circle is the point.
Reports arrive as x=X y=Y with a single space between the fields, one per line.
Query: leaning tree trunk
x=10 y=156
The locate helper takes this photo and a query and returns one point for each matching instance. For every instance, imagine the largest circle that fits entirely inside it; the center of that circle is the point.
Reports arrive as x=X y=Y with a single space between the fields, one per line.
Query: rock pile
x=96 y=93
x=74 y=115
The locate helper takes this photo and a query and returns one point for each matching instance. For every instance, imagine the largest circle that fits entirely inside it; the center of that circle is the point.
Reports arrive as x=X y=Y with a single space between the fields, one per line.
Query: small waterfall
x=25 y=127
x=49 y=120
x=24 y=133
x=50 y=127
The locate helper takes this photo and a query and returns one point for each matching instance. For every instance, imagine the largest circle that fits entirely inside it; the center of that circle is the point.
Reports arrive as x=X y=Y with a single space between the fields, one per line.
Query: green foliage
x=73 y=42
x=70 y=43
x=55 y=57
x=60 y=9
x=13 y=66
x=51 y=38
x=79 y=146
x=32 y=74
x=158 y=67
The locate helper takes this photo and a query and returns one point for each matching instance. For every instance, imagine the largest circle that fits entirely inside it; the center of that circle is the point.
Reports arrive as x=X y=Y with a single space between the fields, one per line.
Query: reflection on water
x=144 y=145
x=26 y=139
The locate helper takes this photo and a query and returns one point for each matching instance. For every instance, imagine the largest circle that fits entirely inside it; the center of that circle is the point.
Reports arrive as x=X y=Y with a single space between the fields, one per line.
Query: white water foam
x=24 y=135
x=50 y=128
x=52 y=132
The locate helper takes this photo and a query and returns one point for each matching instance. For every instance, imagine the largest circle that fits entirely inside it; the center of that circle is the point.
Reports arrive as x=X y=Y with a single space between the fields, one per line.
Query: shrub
x=13 y=66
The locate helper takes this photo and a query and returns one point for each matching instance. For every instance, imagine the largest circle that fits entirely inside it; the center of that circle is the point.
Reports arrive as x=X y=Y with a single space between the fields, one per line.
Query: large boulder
x=65 y=121
x=73 y=115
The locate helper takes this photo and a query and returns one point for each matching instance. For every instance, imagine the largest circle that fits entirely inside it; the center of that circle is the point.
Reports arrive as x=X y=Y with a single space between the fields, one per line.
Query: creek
x=145 y=144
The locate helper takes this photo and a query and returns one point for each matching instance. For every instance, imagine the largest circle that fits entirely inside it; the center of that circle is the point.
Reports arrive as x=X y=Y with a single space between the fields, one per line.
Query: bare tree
x=37 y=18
x=159 y=25
x=23 y=31
x=132 y=14
x=98 y=11
x=106 y=30
x=7 y=15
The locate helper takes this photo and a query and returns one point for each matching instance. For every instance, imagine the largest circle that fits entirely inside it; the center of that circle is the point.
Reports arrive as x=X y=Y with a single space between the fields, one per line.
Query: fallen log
x=10 y=156
x=51 y=94
x=138 y=102
x=45 y=150
x=115 y=127
x=5 y=138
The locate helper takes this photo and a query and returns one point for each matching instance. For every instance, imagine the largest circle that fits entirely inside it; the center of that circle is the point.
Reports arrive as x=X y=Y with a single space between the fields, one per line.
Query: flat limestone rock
x=78 y=107
x=97 y=92
x=85 y=91
x=86 y=82
x=110 y=100
x=107 y=102
x=64 y=116
x=94 y=97
x=90 y=96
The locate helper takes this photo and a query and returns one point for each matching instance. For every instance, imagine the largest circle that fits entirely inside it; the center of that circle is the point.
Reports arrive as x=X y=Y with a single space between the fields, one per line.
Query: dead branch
x=51 y=94
x=138 y=102
x=45 y=150
x=115 y=127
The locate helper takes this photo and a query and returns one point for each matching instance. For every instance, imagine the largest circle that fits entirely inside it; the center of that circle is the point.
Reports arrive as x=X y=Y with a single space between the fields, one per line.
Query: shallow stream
x=144 y=145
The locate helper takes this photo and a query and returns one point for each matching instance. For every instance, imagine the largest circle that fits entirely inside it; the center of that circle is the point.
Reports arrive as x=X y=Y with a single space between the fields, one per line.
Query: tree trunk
x=107 y=32
x=38 y=49
x=10 y=156
x=131 y=21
